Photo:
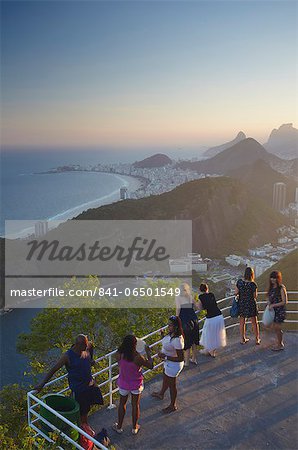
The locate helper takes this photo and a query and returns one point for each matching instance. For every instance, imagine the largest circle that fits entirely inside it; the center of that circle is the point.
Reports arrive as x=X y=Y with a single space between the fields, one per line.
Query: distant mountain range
x=213 y=151
x=283 y=141
x=247 y=151
x=226 y=217
x=157 y=160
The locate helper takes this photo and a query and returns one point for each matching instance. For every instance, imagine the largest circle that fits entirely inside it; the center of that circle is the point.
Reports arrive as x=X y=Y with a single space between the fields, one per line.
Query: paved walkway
x=246 y=398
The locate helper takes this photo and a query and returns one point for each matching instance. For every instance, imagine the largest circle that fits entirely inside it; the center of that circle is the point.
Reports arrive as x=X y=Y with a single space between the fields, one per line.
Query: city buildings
x=123 y=193
x=279 y=196
x=41 y=228
x=193 y=261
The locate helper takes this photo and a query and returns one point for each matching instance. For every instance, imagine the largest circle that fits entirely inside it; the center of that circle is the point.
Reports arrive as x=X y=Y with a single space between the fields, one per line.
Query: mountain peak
x=244 y=152
x=283 y=141
x=157 y=160
x=241 y=135
x=213 y=151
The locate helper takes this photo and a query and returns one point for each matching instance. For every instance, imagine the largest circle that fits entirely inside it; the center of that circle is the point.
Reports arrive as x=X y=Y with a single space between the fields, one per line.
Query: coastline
x=132 y=183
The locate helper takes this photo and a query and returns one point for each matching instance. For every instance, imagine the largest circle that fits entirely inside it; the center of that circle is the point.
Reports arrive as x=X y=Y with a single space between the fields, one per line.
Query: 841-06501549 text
x=97 y=292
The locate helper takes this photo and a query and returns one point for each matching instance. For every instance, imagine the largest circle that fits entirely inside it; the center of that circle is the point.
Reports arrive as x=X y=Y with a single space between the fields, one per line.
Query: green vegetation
x=288 y=266
x=52 y=332
x=260 y=178
x=226 y=218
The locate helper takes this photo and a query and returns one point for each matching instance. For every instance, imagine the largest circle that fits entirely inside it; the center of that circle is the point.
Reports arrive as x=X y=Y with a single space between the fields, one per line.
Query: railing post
x=28 y=412
x=111 y=404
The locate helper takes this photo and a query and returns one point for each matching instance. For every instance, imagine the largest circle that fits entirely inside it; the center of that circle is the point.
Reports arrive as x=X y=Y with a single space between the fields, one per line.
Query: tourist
x=246 y=290
x=78 y=361
x=277 y=300
x=214 y=332
x=185 y=310
x=172 y=354
x=130 y=380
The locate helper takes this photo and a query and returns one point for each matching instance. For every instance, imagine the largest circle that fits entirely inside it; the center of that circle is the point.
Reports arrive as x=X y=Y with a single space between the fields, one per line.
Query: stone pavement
x=246 y=398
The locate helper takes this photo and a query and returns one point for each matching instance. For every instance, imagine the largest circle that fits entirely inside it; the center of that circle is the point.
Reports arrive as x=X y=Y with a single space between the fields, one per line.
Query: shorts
x=92 y=396
x=125 y=392
x=173 y=368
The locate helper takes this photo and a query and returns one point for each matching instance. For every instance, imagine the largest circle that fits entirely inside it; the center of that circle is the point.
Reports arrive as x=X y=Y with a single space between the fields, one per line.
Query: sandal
x=115 y=428
x=277 y=349
x=157 y=395
x=136 y=430
x=258 y=341
x=169 y=409
x=244 y=341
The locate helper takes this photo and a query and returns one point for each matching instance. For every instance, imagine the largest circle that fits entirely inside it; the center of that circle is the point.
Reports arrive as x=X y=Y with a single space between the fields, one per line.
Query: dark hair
x=278 y=276
x=178 y=330
x=203 y=287
x=128 y=347
x=249 y=274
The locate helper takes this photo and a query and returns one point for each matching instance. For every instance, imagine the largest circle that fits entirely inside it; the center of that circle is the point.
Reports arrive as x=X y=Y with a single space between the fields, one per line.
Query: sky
x=148 y=73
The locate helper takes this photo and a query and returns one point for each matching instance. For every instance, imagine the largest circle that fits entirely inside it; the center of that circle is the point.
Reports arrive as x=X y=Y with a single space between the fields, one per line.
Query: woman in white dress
x=172 y=354
x=214 y=332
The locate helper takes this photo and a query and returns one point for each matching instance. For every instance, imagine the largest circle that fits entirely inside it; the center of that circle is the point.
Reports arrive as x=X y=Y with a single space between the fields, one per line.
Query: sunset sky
x=122 y=74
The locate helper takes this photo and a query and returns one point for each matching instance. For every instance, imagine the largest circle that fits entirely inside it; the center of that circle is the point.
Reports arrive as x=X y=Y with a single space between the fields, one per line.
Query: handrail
x=111 y=378
x=68 y=422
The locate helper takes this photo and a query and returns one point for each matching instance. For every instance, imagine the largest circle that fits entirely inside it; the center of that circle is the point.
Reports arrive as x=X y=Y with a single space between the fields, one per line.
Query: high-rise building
x=123 y=193
x=279 y=196
x=41 y=228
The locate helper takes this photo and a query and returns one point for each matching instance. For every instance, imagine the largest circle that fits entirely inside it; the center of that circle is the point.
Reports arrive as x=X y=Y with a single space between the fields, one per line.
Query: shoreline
x=133 y=183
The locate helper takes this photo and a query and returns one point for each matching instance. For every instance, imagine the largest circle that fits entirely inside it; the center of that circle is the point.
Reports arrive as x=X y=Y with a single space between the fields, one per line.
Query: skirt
x=214 y=333
x=173 y=368
x=191 y=334
x=92 y=396
x=280 y=314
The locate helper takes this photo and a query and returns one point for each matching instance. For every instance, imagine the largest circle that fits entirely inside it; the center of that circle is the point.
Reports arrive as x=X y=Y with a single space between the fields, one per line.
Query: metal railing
x=35 y=418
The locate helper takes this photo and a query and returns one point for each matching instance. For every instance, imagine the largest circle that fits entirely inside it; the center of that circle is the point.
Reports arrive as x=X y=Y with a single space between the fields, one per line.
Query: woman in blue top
x=78 y=361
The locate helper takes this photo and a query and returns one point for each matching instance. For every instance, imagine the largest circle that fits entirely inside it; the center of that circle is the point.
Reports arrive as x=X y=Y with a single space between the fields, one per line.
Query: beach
x=64 y=198
x=131 y=183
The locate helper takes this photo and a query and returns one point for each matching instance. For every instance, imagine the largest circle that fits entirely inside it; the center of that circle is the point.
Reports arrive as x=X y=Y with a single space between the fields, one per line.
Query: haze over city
x=140 y=74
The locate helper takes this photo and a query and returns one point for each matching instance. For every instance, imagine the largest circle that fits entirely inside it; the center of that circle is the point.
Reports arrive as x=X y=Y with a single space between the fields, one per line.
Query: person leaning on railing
x=78 y=361
x=130 y=380
x=185 y=310
x=277 y=300
x=214 y=333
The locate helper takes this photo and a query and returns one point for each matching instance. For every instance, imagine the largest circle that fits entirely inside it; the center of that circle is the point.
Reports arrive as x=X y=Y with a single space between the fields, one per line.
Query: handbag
x=268 y=316
x=234 y=311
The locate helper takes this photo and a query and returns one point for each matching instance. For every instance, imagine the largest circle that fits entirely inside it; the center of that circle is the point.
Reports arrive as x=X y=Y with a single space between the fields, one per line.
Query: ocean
x=26 y=195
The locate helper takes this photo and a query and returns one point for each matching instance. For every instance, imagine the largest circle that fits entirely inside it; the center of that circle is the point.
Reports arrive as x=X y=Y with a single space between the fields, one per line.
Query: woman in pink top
x=130 y=380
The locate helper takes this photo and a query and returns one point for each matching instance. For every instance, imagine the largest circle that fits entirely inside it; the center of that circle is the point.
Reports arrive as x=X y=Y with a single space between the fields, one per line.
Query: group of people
x=247 y=292
x=179 y=347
